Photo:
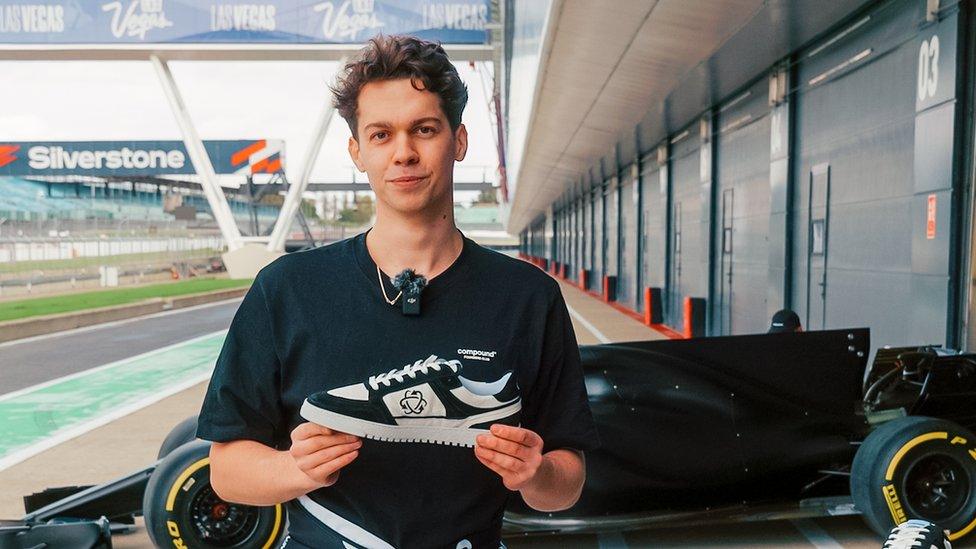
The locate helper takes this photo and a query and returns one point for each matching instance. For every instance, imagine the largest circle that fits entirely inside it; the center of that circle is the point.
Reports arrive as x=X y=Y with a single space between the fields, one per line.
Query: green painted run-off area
x=33 y=415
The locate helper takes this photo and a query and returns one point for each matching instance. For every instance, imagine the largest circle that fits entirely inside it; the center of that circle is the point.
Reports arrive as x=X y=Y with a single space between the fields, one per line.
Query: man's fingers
x=326 y=470
x=500 y=459
x=317 y=442
x=504 y=446
x=326 y=455
x=511 y=452
x=310 y=446
x=501 y=471
x=516 y=434
x=511 y=479
x=333 y=440
x=308 y=430
x=302 y=449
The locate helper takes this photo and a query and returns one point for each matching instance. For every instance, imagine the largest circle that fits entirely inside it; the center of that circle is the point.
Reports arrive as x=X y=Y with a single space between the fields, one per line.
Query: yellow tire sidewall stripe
x=907 y=447
x=174 y=489
x=196 y=466
x=889 y=474
x=954 y=536
x=277 y=527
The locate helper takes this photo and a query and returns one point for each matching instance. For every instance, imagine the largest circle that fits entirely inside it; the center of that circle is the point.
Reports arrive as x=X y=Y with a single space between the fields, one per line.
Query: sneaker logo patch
x=413 y=402
x=474 y=354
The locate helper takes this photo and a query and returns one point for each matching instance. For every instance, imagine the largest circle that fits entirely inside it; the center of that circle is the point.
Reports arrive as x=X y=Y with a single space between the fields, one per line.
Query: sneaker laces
x=411 y=370
x=915 y=533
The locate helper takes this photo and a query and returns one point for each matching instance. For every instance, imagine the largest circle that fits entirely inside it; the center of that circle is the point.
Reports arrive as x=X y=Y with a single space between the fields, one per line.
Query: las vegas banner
x=240 y=21
x=104 y=158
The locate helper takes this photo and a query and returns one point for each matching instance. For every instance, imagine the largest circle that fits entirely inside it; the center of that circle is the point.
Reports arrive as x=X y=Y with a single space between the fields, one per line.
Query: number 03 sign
x=928 y=68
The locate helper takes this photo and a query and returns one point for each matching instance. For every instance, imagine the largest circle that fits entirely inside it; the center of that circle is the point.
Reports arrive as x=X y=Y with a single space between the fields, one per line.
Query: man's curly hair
x=391 y=57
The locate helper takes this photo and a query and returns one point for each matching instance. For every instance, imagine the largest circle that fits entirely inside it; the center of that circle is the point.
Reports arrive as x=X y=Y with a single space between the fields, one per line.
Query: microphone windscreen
x=409 y=282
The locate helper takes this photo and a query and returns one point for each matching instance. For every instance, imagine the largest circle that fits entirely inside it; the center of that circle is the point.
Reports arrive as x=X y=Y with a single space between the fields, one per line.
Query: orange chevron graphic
x=267 y=165
x=7 y=154
x=243 y=154
x=260 y=166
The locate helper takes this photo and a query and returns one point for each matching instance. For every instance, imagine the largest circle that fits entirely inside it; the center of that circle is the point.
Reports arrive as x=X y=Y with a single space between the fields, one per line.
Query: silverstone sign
x=239 y=21
x=105 y=158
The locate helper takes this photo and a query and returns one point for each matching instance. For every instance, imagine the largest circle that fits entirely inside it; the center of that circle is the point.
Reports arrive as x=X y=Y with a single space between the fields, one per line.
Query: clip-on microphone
x=411 y=284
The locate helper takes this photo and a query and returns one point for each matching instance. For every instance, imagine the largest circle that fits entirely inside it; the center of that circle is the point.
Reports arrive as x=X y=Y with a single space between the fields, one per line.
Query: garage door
x=627 y=269
x=561 y=238
x=595 y=282
x=613 y=221
x=861 y=255
x=588 y=233
x=689 y=236
x=568 y=238
x=577 y=238
x=742 y=209
x=655 y=222
x=553 y=246
x=537 y=243
x=583 y=234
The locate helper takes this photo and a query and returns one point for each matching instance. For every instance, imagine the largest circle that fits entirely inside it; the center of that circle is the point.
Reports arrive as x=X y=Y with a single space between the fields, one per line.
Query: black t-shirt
x=316 y=320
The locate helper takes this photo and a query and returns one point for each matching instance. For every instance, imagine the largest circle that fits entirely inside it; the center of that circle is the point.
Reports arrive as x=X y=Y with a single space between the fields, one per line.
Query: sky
x=122 y=100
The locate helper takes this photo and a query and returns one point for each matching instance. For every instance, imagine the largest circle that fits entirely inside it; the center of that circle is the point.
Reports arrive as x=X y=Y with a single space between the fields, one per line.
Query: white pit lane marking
x=815 y=534
x=586 y=324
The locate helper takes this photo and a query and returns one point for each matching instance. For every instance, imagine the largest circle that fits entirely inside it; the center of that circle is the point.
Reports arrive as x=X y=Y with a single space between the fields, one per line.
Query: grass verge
x=25 y=308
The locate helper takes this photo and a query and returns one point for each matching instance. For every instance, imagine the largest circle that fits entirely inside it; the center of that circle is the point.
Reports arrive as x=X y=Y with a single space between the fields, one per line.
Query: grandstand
x=482 y=223
x=28 y=200
x=478 y=216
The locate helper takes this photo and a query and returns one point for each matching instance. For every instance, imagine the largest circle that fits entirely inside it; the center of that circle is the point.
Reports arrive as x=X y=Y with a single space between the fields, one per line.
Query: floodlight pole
x=293 y=198
x=198 y=155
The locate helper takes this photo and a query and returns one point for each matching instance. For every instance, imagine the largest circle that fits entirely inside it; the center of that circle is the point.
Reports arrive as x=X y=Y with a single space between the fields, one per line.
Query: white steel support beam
x=293 y=198
x=210 y=52
x=199 y=157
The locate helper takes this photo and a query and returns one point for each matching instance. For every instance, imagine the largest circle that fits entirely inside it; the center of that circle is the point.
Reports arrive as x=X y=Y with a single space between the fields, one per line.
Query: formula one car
x=725 y=428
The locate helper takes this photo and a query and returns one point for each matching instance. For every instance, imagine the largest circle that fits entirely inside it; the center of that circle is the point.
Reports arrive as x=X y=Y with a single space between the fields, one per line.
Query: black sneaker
x=917 y=534
x=426 y=401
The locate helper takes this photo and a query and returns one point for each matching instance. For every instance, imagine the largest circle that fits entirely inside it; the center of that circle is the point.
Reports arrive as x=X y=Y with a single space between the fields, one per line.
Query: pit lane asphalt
x=29 y=362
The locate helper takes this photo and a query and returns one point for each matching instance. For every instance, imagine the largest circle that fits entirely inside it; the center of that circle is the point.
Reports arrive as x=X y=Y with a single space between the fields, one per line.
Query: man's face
x=406 y=146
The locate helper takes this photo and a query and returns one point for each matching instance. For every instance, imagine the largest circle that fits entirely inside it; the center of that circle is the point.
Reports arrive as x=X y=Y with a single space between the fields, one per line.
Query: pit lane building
x=704 y=164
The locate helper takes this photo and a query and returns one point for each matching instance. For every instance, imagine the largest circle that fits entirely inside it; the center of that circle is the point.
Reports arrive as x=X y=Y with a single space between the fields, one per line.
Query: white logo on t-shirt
x=474 y=354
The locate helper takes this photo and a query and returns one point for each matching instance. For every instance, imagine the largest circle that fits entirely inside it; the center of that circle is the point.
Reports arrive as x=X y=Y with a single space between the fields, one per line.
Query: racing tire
x=917 y=468
x=182 y=510
x=184 y=432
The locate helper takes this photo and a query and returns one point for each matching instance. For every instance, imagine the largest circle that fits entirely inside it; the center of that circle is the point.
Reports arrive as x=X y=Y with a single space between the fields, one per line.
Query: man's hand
x=512 y=452
x=321 y=452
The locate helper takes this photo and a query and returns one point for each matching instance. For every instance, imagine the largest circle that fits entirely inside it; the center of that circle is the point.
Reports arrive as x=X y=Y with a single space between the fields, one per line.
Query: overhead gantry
x=245 y=255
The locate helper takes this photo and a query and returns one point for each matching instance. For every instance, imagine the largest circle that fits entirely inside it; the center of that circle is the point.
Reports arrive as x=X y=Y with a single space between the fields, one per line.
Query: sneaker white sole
x=452 y=436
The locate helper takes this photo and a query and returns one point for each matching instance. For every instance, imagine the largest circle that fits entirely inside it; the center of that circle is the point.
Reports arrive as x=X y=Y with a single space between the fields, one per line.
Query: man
x=784 y=320
x=328 y=318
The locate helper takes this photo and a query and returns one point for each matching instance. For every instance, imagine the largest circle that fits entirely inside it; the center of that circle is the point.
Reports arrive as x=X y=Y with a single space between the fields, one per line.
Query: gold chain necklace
x=383 y=289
